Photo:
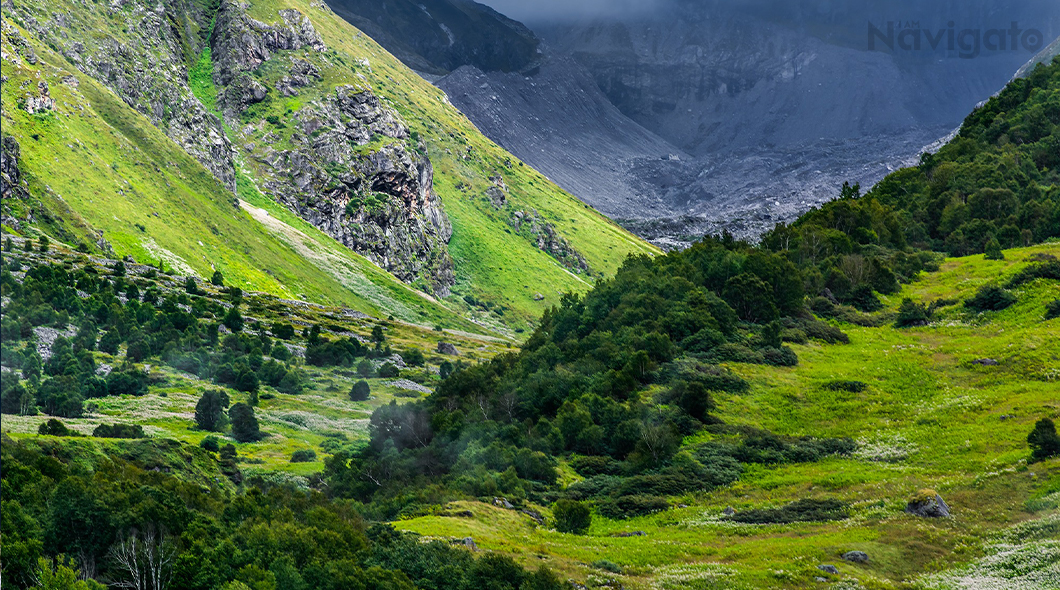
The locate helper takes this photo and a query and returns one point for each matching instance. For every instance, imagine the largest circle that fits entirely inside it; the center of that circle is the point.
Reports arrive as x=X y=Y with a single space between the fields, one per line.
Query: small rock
x=467 y=542
x=538 y=297
x=829 y=569
x=820 y=579
x=1007 y=416
x=986 y=362
x=503 y=503
x=928 y=504
x=534 y=514
x=631 y=534
x=856 y=557
x=447 y=349
x=728 y=511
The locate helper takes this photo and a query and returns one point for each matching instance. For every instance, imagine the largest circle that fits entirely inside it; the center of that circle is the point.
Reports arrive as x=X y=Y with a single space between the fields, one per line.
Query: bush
x=910 y=314
x=304 y=456
x=805 y=510
x=847 y=386
x=388 y=371
x=571 y=516
x=283 y=331
x=593 y=466
x=119 y=431
x=990 y=298
x=360 y=392
x=54 y=427
x=1043 y=440
x=413 y=357
x=635 y=505
x=1052 y=310
x=211 y=443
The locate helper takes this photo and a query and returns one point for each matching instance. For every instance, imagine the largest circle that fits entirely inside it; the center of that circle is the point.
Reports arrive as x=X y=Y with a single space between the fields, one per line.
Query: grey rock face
x=856 y=557
x=241 y=43
x=147 y=70
x=544 y=236
x=379 y=202
x=930 y=507
x=10 y=176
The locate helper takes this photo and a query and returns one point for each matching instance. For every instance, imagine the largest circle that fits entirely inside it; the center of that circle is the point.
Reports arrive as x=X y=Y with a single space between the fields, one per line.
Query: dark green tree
x=233 y=320
x=993 y=250
x=911 y=313
x=244 y=423
x=210 y=410
x=218 y=279
x=1043 y=440
x=360 y=392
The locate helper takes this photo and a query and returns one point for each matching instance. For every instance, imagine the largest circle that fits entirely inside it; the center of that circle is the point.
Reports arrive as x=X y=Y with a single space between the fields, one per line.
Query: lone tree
x=244 y=423
x=993 y=250
x=1043 y=440
x=360 y=392
x=217 y=279
x=571 y=516
x=210 y=410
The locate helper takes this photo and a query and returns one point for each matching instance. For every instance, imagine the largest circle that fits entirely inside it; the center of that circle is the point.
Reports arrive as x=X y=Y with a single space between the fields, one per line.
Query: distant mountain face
x=756 y=110
x=438 y=36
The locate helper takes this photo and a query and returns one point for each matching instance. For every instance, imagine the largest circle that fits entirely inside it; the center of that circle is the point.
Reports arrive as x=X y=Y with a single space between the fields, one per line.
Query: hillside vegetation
x=110 y=148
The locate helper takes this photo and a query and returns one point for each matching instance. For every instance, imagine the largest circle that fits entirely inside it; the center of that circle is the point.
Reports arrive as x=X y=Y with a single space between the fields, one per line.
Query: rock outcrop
x=344 y=161
x=928 y=504
x=146 y=68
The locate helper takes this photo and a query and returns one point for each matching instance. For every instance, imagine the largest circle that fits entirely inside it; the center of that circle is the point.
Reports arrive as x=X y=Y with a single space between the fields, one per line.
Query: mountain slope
x=438 y=36
x=96 y=172
x=336 y=130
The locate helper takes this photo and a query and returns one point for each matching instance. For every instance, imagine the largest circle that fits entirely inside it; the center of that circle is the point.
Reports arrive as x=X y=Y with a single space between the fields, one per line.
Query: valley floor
x=930 y=418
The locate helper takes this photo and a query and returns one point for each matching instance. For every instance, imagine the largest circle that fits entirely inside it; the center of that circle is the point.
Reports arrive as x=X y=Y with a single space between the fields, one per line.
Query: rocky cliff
x=338 y=156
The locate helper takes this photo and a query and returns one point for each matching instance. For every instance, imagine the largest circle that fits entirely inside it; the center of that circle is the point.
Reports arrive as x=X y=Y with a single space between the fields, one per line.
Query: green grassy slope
x=121 y=173
x=100 y=166
x=929 y=419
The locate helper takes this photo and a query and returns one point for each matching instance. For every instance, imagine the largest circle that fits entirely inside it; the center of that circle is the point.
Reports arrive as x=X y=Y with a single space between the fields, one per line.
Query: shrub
x=593 y=466
x=414 y=357
x=304 y=456
x=571 y=516
x=218 y=279
x=910 y=314
x=607 y=566
x=847 y=386
x=211 y=443
x=388 y=371
x=360 y=392
x=54 y=427
x=993 y=250
x=1052 y=310
x=283 y=331
x=634 y=505
x=1047 y=269
x=119 y=431
x=805 y=510
x=1043 y=440
x=990 y=298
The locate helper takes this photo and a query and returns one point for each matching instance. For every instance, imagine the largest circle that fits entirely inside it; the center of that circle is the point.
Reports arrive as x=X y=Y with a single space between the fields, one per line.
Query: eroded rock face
x=10 y=176
x=146 y=69
x=344 y=161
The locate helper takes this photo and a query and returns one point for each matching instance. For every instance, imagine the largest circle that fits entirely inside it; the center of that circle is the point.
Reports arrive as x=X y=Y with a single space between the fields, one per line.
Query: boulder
x=928 y=504
x=447 y=349
x=829 y=569
x=856 y=557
